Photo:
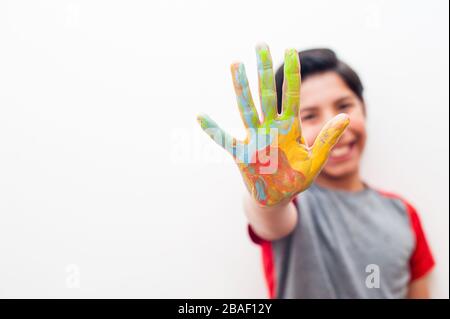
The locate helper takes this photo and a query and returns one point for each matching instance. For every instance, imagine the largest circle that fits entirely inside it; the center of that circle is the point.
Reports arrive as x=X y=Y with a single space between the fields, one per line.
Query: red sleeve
x=421 y=261
x=254 y=237
x=268 y=260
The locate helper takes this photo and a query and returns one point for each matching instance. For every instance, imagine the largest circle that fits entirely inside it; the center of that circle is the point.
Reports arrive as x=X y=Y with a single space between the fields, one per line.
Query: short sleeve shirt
x=366 y=244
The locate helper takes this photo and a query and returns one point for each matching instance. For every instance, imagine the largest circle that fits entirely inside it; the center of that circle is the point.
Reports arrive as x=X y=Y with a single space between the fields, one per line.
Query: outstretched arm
x=270 y=223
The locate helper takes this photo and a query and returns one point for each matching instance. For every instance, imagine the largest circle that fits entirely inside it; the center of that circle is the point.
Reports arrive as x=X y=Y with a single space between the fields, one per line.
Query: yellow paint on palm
x=297 y=153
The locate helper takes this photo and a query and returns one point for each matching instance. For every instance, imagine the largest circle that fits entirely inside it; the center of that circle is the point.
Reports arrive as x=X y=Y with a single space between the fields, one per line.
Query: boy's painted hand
x=274 y=159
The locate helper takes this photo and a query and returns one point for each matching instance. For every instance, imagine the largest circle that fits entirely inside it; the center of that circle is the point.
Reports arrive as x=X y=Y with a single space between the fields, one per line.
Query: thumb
x=327 y=138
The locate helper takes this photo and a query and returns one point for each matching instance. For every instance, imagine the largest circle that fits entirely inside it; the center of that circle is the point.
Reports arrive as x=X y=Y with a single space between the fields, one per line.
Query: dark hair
x=316 y=61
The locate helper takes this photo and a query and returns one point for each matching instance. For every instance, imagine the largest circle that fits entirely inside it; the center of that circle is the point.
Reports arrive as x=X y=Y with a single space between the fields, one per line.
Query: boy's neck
x=350 y=183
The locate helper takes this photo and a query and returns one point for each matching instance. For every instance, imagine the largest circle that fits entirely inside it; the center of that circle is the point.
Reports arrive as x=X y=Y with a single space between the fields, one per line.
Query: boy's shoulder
x=409 y=208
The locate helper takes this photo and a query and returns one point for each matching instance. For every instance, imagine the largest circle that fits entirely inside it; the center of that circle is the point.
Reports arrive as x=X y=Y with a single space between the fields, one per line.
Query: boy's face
x=322 y=97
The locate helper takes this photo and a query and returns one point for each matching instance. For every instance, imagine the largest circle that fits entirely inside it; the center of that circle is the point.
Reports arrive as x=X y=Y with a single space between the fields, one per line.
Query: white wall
x=109 y=189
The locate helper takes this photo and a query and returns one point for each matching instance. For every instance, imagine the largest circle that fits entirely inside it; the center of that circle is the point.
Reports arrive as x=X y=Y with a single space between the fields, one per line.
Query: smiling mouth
x=342 y=152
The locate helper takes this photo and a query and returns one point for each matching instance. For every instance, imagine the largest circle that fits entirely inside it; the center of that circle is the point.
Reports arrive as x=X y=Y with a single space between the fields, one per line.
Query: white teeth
x=340 y=151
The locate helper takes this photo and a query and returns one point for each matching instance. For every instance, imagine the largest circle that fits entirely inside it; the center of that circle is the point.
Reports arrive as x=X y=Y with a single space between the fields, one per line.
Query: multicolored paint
x=274 y=159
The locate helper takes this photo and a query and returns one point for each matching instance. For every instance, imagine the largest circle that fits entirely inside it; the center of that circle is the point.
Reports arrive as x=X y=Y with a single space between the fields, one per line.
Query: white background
x=109 y=189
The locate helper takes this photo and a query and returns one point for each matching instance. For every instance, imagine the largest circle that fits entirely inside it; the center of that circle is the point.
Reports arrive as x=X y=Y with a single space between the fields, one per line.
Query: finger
x=222 y=138
x=291 y=84
x=247 y=108
x=327 y=138
x=266 y=80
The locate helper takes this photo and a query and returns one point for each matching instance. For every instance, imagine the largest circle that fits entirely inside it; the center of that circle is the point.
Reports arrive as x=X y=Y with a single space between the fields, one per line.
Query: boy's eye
x=308 y=117
x=344 y=106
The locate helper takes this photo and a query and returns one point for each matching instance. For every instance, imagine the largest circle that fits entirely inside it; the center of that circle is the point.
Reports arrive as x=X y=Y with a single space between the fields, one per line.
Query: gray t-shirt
x=345 y=245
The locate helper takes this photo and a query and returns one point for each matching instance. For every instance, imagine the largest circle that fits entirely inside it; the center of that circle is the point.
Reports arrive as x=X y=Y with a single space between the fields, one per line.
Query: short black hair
x=316 y=61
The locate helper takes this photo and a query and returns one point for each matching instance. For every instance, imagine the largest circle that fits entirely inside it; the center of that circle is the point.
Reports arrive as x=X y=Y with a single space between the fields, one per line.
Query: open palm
x=274 y=159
